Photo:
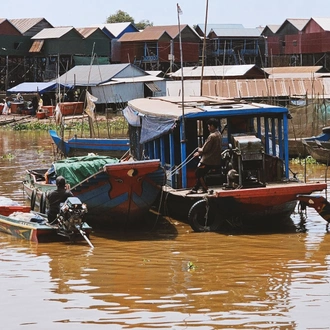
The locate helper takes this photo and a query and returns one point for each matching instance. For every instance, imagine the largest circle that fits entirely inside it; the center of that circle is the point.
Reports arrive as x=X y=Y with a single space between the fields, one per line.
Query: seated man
x=210 y=155
x=50 y=175
x=56 y=197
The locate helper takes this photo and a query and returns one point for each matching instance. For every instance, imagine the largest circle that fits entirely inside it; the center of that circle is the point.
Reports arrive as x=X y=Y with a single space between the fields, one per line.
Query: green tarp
x=76 y=169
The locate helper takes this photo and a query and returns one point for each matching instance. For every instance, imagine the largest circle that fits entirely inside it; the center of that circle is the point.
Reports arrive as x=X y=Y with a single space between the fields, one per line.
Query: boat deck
x=289 y=187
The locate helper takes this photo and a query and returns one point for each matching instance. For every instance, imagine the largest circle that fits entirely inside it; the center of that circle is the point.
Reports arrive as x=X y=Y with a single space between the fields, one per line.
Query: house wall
x=6 y=28
x=273 y=44
x=69 y=44
x=190 y=52
x=43 y=24
x=191 y=88
x=131 y=51
x=293 y=44
x=312 y=27
x=314 y=43
x=98 y=43
x=123 y=92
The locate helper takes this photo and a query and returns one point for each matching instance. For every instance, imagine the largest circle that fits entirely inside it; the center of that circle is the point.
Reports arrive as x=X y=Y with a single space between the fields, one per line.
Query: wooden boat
x=82 y=146
x=118 y=194
x=71 y=108
x=20 y=222
x=319 y=146
x=319 y=151
x=8 y=206
x=253 y=182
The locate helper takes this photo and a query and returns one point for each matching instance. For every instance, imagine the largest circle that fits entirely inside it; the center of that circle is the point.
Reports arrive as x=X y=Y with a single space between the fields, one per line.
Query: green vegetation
x=115 y=124
x=122 y=16
x=191 y=266
x=308 y=160
x=34 y=126
x=8 y=156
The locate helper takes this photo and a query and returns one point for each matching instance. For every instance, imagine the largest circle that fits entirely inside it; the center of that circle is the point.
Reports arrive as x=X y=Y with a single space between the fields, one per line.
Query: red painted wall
x=7 y=28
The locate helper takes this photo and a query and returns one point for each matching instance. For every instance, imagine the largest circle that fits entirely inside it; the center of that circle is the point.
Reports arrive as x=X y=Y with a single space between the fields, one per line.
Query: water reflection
x=255 y=279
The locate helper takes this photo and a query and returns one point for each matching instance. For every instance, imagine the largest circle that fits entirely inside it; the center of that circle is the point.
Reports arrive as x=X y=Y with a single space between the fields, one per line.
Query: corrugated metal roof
x=215 y=71
x=323 y=22
x=25 y=24
x=36 y=46
x=92 y=75
x=53 y=33
x=172 y=30
x=210 y=27
x=147 y=78
x=114 y=28
x=299 y=23
x=245 y=32
x=272 y=27
x=154 y=72
x=294 y=71
x=87 y=31
x=2 y=20
x=252 y=88
x=145 y=35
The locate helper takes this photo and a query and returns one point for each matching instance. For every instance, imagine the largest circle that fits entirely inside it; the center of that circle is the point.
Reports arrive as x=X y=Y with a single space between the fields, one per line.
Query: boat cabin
x=254 y=143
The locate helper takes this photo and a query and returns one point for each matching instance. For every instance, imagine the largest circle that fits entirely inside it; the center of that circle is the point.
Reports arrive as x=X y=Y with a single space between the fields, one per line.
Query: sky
x=82 y=13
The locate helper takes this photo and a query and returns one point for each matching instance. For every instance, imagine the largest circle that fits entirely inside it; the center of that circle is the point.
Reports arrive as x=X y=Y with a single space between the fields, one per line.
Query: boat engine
x=70 y=217
x=247 y=162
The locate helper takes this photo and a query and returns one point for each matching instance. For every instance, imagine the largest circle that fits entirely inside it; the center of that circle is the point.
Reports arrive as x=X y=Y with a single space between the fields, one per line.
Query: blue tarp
x=35 y=87
x=151 y=127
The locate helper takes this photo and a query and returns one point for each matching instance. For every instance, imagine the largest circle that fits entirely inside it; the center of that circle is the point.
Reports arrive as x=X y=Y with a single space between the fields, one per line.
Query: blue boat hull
x=82 y=146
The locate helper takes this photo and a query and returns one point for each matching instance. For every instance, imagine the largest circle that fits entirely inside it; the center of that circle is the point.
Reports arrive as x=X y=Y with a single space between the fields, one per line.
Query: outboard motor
x=70 y=218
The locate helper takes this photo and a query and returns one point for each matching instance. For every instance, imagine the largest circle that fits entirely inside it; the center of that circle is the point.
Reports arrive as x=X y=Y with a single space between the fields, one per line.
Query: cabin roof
x=200 y=107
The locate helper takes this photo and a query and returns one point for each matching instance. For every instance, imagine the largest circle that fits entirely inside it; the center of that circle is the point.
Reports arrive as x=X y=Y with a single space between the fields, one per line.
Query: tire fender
x=42 y=207
x=202 y=218
x=33 y=199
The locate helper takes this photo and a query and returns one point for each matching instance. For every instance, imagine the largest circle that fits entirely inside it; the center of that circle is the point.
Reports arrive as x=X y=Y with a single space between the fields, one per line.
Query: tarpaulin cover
x=76 y=169
x=132 y=116
x=152 y=127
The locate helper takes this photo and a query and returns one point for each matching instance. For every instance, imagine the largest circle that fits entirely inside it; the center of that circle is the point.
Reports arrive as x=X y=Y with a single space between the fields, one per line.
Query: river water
x=167 y=277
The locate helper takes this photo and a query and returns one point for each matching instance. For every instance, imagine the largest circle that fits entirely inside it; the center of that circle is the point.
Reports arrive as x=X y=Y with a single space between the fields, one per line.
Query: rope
x=185 y=162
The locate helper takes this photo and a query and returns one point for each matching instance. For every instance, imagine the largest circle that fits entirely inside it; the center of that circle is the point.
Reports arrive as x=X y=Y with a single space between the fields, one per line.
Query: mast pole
x=204 y=45
x=182 y=82
x=182 y=127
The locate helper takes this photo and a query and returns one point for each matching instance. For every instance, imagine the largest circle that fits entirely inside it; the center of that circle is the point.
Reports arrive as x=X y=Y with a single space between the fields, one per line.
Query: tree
x=121 y=16
x=143 y=24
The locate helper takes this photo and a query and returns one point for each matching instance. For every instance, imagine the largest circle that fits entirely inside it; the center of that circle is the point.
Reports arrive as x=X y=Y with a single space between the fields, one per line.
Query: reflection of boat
x=116 y=192
x=253 y=181
x=18 y=221
x=82 y=146
x=318 y=202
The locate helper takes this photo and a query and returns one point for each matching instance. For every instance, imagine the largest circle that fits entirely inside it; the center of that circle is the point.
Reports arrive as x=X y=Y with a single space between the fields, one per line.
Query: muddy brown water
x=167 y=277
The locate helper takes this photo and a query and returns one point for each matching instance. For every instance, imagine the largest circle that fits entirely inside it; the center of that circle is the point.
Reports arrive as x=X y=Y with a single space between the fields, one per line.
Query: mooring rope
x=185 y=162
